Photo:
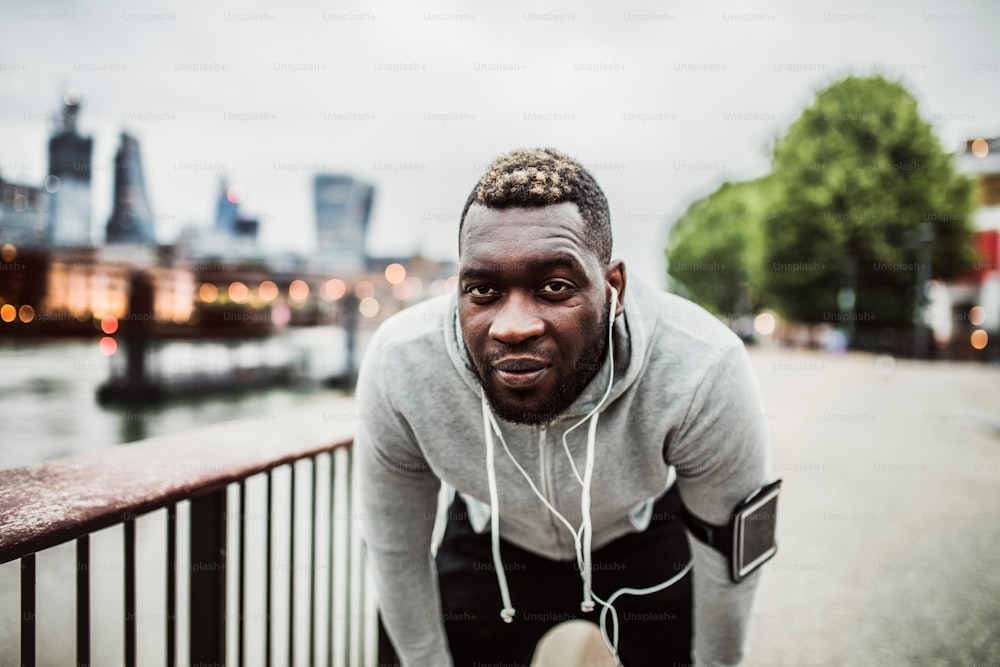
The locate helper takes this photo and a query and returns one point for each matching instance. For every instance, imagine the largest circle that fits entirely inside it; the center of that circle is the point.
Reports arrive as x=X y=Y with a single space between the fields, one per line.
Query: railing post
x=208 y=579
x=83 y=601
x=171 y=592
x=130 y=620
x=28 y=611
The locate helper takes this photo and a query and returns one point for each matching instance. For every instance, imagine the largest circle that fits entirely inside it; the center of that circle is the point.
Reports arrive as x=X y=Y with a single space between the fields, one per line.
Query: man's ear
x=614 y=276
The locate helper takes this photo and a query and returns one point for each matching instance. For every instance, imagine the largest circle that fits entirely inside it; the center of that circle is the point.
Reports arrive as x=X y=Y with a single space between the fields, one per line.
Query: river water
x=48 y=392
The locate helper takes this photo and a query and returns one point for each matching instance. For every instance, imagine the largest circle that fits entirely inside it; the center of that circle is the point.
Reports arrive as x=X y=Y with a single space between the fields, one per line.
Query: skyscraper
x=227 y=208
x=131 y=219
x=343 y=205
x=68 y=181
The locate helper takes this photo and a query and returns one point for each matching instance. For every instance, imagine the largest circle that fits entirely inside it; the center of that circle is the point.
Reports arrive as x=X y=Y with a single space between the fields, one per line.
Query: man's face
x=533 y=304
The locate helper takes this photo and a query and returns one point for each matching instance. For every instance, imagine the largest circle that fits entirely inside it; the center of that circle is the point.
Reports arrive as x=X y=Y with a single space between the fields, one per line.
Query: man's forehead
x=483 y=220
x=488 y=230
x=528 y=262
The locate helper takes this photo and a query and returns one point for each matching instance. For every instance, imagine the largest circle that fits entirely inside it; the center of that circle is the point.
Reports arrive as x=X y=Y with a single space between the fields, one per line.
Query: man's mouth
x=519 y=373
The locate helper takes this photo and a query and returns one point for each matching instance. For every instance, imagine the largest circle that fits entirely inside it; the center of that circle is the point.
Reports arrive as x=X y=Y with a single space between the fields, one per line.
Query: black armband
x=747 y=541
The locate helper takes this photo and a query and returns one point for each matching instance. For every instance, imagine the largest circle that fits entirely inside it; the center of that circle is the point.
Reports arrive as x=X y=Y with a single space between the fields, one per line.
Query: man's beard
x=567 y=391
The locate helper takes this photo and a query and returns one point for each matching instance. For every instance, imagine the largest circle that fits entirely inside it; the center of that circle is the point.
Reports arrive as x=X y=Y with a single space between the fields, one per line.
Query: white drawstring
x=588 y=529
x=507 y=613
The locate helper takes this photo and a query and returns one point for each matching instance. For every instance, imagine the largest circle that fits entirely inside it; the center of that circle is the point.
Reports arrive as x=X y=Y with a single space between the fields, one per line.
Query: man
x=571 y=411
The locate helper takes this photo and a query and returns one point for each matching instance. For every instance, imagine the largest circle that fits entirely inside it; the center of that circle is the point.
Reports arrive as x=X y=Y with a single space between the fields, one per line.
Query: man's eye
x=480 y=290
x=554 y=288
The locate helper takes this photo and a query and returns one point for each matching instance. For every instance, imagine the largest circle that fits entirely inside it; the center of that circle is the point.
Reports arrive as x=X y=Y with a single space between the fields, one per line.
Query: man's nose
x=516 y=321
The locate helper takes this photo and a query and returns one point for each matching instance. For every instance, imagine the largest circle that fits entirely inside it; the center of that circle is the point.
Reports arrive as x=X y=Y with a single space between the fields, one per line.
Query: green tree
x=861 y=186
x=714 y=252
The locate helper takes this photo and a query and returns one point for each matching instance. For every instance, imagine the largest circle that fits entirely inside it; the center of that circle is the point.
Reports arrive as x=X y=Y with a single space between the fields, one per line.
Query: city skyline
x=662 y=102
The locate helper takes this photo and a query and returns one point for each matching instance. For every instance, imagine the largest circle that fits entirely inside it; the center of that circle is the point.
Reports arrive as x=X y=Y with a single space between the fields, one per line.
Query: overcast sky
x=663 y=101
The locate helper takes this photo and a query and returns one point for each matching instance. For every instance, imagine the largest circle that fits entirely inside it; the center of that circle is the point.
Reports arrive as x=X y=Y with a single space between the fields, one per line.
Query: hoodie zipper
x=543 y=460
x=546 y=481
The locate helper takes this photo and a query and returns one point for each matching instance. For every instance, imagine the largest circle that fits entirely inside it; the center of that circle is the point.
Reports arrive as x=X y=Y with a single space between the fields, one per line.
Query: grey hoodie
x=683 y=406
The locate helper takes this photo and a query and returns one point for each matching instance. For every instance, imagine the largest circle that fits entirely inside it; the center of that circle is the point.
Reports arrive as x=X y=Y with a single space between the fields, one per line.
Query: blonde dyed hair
x=537 y=177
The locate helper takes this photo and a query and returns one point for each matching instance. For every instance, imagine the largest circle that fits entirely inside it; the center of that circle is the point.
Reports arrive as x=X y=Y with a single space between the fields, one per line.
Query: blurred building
x=231 y=240
x=70 y=290
x=69 y=179
x=23 y=215
x=343 y=205
x=980 y=160
x=229 y=221
x=131 y=218
x=246 y=228
x=967 y=311
x=227 y=209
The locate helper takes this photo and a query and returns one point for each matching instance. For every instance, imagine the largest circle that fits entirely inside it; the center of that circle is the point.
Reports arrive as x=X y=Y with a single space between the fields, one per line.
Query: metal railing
x=241 y=608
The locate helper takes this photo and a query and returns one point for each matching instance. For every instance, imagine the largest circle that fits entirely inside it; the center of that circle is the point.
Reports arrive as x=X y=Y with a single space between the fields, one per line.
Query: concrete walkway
x=889 y=520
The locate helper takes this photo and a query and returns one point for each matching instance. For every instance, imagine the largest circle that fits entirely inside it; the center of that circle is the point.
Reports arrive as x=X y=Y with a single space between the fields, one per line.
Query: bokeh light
x=977 y=315
x=979 y=339
x=208 y=292
x=298 y=290
x=267 y=290
x=8 y=253
x=108 y=346
x=26 y=313
x=238 y=292
x=369 y=306
x=109 y=324
x=395 y=273
x=764 y=324
x=980 y=148
x=8 y=313
x=334 y=288
x=234 y=194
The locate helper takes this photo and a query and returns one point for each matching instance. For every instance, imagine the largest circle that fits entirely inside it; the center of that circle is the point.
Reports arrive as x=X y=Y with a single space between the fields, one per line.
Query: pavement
x=889 y=518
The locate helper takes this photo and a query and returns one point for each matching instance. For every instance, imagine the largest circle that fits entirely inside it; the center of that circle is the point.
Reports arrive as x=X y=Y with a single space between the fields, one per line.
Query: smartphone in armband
x=747 y=541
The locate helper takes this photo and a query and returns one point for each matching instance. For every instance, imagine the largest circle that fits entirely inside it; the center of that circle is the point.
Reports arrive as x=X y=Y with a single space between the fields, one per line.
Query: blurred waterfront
x=48 y=392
